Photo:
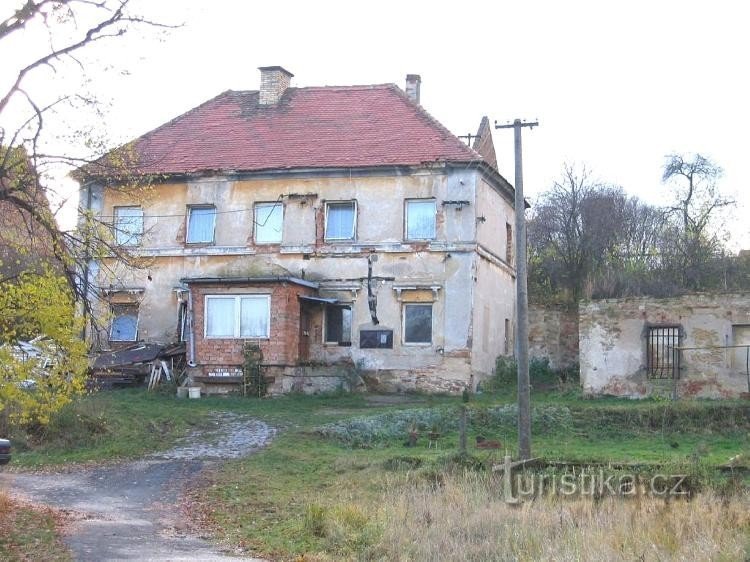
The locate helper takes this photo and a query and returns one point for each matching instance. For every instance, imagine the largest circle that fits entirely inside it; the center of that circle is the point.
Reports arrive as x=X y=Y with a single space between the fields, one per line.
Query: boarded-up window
x=661 y=351
x=124 y=322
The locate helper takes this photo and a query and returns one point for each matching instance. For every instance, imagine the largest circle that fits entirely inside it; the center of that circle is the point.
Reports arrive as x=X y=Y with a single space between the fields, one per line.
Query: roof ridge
x=384 y=85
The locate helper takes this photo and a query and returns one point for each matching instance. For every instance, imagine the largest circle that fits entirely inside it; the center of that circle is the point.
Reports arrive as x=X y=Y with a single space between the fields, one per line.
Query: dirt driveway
x=130 y=510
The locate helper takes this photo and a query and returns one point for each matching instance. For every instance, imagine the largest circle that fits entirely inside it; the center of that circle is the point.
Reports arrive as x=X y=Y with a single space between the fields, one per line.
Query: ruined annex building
x=343 y=229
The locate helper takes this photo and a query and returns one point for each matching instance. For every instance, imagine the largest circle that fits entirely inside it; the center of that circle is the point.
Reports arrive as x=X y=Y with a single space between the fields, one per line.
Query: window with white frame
x=269 y=222
x=124 y=325
x=341 y=220
x=201 y=224
x=237 y=316
x=420 y=219
x=417 y=323
x=128 y=225
x=338 y=325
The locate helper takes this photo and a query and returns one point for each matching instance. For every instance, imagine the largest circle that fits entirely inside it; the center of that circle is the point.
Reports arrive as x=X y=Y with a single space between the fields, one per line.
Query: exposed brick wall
x=281 y=348
x=553 y=333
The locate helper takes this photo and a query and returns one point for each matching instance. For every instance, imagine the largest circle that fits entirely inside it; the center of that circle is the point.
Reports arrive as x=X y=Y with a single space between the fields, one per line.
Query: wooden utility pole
x=522 y=298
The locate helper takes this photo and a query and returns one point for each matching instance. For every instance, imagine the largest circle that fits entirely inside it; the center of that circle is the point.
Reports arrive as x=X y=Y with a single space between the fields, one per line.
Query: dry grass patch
x=465 y=518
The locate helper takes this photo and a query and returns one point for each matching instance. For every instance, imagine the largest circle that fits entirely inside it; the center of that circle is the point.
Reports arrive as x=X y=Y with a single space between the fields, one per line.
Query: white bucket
x=182 y=392
x=194 y=392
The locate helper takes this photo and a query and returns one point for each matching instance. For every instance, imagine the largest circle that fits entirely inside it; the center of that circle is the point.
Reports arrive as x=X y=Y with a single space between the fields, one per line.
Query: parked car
x=4 y=451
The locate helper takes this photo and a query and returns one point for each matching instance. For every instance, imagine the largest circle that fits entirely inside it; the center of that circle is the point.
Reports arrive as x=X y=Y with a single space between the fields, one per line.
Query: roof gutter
x=248 y=280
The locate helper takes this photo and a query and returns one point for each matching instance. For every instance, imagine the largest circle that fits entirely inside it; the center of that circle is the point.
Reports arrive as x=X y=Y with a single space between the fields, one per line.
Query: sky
x=615 y=86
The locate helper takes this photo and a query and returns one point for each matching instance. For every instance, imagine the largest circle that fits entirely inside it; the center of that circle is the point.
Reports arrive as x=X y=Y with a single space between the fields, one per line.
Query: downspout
x=191 y=336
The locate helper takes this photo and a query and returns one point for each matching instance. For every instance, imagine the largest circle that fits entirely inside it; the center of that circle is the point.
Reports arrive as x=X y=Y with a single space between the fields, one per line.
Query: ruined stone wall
x=614 y=350
x=553 y=333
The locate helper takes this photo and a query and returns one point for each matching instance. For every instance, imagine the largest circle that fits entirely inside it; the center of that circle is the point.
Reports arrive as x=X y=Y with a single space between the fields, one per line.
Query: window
x=128 y=225
x=508 y=243
x=420 y=219
x=201 y=223
x=338 y=324
x=237 y=316
x=418 y=323
x=341 y=220
x=124 y=322
x=662 y=352
x=269 y=222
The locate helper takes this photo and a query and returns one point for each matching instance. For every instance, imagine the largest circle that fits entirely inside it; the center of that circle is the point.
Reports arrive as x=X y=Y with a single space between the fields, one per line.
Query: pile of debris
x=40 y=351
x=131 y=365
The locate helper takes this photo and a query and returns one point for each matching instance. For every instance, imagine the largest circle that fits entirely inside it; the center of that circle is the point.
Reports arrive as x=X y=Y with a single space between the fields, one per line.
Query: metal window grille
x=662 y=353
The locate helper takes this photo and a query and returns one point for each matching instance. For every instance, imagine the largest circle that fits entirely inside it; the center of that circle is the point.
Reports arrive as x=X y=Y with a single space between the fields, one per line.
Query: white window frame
x=404 y=306
x=353 y=202
x=134 y=239
x=406 y=217
x=326 y=341
x=266 y=205
x=237 y=313
x=112 y=323
x=187 y=225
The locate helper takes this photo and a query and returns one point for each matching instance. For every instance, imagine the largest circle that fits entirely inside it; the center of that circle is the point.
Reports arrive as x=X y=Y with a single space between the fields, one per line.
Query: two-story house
x=342 y=228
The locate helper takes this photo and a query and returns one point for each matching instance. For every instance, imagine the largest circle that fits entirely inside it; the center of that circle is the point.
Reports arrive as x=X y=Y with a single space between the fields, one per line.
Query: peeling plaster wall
x=613 y=344
x=493 y=283
x=448 y=263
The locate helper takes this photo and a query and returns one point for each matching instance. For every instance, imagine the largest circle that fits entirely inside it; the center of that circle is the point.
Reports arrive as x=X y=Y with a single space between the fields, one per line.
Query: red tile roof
x=320 y=127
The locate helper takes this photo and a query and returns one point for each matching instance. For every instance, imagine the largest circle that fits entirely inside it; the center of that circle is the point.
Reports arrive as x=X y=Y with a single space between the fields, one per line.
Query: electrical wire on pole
x=522 y=296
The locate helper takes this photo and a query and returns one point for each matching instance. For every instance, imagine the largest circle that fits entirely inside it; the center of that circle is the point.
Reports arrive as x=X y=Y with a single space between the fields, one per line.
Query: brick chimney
x=412 y=87
x=274 y=80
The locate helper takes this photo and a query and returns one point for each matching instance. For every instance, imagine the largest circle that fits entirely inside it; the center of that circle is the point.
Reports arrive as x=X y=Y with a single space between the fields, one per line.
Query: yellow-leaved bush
x=32 y=389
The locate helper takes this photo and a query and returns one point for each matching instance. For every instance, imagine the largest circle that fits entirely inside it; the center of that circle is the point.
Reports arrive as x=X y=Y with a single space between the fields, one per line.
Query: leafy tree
x=33 y=389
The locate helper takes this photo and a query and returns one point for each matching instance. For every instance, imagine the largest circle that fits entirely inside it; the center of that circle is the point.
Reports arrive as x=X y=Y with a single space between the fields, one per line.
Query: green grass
x=308 y=494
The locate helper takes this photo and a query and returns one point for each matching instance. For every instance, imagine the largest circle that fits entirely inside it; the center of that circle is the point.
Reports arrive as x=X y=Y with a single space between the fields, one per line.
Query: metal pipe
x=191 y=336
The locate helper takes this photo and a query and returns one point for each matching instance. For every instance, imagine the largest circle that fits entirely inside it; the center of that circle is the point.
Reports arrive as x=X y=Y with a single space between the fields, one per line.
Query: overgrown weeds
x=467 y=519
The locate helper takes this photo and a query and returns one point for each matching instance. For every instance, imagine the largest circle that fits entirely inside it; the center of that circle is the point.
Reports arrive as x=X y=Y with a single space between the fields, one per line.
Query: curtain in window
x=420 y=220
x=254 y=317
x=128 y=225
x=220 y=317
x=201 y=224
x=340 y=221
x=269 y=220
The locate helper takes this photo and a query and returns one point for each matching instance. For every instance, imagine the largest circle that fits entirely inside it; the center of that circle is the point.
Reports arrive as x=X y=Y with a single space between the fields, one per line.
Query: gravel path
x=129 y=511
